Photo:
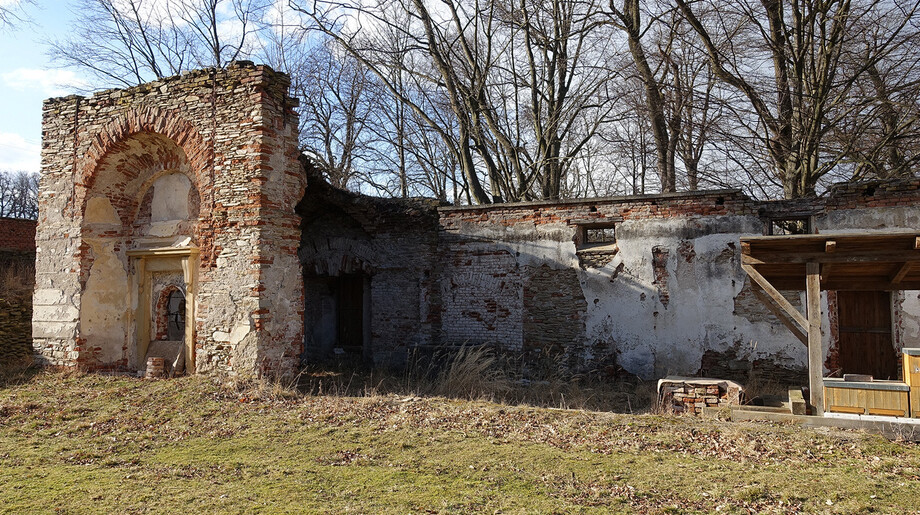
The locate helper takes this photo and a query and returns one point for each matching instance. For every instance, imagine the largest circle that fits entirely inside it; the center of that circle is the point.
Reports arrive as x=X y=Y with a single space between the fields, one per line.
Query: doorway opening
x=337 y=317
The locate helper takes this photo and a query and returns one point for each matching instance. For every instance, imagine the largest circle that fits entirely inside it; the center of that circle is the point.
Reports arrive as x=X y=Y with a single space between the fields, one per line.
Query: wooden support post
x=780 y=314
x=776 y=295
x=901 y=272
x=815 y=349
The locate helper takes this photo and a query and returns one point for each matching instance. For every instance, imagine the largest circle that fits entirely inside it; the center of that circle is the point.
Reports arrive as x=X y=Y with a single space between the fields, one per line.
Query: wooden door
x=864 y=323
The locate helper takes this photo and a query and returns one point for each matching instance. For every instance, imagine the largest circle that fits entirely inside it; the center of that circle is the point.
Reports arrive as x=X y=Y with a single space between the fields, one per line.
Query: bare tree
x=12 y=13
x=514 y=78
x=19 y=194
x=816 y=57
x=128 y=42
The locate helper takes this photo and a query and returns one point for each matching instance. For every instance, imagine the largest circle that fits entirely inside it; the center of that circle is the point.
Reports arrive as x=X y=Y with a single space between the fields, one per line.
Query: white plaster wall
x=169 y=204
x=106 y=303
x=624 y=308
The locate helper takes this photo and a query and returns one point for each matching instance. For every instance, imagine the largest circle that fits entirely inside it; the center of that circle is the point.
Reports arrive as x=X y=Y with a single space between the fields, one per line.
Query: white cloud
x=52 y=83
x=18 y=154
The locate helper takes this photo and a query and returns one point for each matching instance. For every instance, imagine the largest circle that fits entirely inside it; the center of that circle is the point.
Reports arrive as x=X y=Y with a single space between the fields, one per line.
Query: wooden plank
x=847 y=409
x=840 y=236
x=839 y=256
x=776 y=295
x=826 y=271
x=887 y=412
x=815 y=349
x=839 y=283
x=780 y=314
x=901 y=272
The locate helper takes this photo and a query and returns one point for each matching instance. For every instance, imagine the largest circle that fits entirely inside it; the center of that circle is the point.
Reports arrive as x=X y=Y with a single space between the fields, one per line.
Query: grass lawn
x=92 y=443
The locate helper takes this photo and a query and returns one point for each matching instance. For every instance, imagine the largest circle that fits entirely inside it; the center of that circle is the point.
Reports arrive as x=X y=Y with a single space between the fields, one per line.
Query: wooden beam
x=815 y=348
x=830 y=246
x=826 y=271
x=839 y=256
x=901 y=272
x=841 y=283
x=776 y=296
x=780 y=314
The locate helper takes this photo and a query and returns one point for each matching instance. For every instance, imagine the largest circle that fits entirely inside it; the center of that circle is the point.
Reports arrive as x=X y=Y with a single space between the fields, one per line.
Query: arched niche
x=142 y=194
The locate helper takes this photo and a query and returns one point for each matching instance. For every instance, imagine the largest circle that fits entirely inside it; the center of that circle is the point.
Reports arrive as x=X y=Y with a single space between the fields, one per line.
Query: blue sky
x=27 y=77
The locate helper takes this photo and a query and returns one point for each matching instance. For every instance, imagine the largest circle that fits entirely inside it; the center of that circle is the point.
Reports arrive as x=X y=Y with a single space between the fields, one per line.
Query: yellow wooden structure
x=887 y=398
x=912 y=378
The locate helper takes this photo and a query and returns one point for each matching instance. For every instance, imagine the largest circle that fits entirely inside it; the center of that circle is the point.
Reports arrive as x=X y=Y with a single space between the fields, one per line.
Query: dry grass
x=479 y=373
x=78 y=443
x=16 y=278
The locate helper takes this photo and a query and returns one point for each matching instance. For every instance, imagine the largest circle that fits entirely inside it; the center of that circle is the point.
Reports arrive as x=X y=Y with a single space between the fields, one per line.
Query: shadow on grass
x=13 y=374
x=478 y=373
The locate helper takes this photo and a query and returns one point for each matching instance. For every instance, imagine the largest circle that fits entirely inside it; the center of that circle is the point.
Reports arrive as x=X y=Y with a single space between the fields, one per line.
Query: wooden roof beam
x=838 y=256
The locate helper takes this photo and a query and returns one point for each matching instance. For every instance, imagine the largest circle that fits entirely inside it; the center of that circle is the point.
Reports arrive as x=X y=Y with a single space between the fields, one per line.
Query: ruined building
x=177 y=218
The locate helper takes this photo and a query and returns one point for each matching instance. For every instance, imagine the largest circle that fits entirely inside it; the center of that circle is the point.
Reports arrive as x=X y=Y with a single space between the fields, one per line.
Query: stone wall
x=206 y=160
x=390 y=244
x=17 y=235
x=669 y=297
x=17 y=279
x=15 y=328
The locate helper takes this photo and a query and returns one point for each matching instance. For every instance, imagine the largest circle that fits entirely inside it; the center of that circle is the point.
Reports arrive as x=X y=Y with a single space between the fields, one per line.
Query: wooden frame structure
x=813 y=262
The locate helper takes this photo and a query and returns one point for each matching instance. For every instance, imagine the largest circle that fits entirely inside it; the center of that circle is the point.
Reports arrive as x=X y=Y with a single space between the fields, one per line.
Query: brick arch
x=147 y=120
x=161 y=310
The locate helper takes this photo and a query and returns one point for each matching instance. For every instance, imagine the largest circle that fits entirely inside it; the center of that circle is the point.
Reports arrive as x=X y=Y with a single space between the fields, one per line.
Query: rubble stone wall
x=392 y=243
x=230 y=135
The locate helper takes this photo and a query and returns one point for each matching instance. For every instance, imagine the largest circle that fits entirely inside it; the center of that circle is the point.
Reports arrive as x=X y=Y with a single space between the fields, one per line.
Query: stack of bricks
x=691 y=395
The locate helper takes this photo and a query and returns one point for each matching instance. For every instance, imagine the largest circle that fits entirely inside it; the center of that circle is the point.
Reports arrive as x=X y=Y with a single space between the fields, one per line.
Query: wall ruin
x=203 y=165
x=666 y=296
x=193 y=185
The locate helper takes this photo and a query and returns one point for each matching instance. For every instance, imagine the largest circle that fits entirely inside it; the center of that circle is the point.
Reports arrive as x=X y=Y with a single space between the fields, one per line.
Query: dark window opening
x=175 y=316
x=600 y=235
x=351 y=313
x=789 y=226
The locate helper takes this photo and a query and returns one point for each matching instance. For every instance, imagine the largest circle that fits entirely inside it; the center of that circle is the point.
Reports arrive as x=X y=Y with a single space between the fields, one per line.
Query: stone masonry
x=193 y=186
x=204 y=164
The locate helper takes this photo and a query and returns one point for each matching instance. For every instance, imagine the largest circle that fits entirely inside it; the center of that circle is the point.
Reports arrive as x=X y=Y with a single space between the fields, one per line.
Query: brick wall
x=232 y=134
x=17 y=235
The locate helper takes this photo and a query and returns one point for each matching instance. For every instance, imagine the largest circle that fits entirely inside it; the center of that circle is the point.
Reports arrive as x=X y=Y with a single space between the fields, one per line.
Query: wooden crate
x=888 y=398
x=911 y=363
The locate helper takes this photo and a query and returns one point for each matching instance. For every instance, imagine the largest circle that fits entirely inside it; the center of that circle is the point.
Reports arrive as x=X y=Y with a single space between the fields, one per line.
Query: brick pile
x=691 y=395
